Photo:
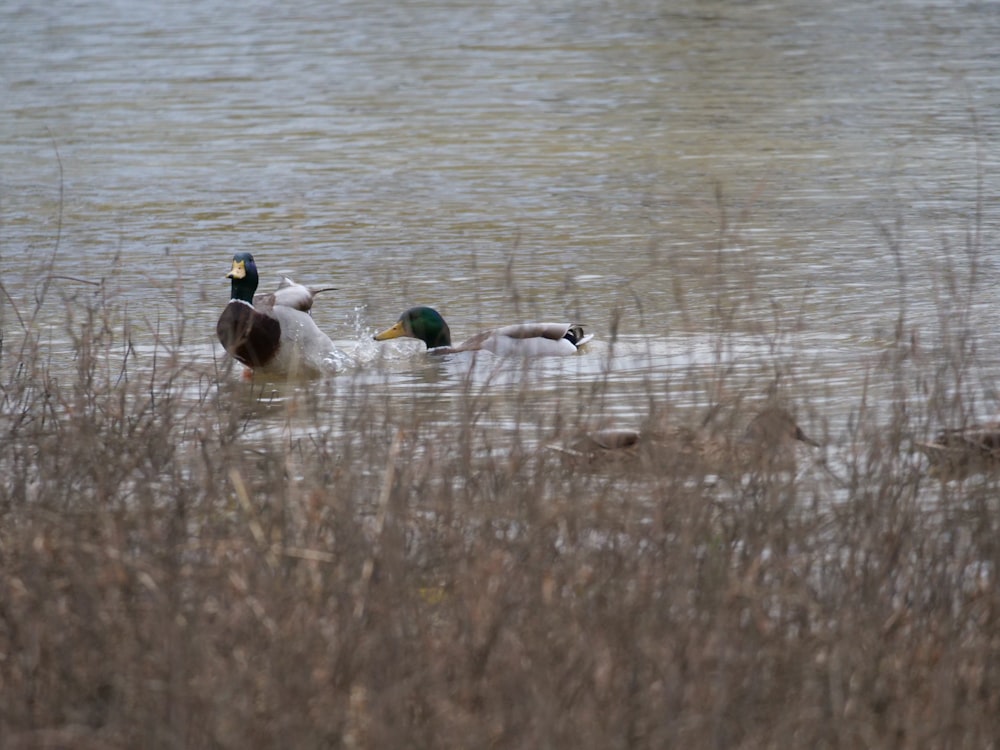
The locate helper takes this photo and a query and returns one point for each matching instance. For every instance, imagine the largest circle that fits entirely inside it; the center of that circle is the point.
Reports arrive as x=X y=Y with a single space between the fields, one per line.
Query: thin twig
x=383 y=503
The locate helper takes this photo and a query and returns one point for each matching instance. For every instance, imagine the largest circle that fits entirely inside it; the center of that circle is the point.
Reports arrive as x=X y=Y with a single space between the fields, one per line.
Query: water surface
x=714 y=188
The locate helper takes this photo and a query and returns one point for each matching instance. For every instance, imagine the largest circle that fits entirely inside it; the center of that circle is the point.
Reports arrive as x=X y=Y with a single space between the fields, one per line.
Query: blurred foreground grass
x=168 y=579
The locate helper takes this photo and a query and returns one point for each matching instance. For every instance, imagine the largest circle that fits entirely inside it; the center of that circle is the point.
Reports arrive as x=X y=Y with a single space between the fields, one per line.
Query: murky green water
x=761 y=187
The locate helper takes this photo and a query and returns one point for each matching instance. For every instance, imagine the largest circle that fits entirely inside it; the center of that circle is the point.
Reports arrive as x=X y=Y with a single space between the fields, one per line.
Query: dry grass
x=169 y=580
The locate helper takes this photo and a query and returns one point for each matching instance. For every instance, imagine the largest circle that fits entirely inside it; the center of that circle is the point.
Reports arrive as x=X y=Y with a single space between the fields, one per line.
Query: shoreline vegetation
x=173 y=577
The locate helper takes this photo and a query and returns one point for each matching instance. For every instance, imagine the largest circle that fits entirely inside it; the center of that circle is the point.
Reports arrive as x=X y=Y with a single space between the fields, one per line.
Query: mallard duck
x=767 y=444
x=274 y=334
x=958 y=452
x=525 y=339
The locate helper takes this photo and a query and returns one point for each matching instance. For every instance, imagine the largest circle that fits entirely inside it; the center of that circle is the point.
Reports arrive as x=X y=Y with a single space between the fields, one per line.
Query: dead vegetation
x=170 y=577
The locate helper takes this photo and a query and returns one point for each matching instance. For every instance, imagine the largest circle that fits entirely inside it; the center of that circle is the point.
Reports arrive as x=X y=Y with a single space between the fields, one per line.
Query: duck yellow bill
x=391 y=333
x=238 y=271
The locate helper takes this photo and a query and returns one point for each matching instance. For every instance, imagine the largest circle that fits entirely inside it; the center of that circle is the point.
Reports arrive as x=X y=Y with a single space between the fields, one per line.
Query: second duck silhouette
x=767 y=444
x=959 y=452
x=526 y=339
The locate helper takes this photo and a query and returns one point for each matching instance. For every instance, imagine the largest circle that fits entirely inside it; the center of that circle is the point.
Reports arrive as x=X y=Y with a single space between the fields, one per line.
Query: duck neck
x=439 y=338
x=243 y=291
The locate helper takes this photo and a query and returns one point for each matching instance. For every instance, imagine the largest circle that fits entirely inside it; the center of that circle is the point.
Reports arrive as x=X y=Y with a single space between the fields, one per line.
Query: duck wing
x=551 y=331
x=294 y=295
x=531 y=339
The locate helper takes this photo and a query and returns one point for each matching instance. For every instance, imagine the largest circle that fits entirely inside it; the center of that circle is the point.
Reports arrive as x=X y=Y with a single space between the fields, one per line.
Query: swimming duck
x=767 y=444
x=957 y=452
x=526 y=339
x=274 y=334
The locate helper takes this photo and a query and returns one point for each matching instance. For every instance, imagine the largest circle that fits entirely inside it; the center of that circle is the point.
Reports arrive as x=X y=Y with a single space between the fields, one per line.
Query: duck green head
x=424 y=323
x=244 y=276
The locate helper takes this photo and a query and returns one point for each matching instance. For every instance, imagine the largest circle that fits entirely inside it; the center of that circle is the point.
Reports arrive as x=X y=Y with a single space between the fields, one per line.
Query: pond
x=749 y=193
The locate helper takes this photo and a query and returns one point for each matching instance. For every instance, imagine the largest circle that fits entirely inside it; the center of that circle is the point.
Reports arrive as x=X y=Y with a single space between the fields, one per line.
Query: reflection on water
x=717 y=190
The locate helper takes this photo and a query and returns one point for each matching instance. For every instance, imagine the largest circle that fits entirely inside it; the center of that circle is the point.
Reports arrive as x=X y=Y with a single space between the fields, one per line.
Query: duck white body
x=305 y=351
x=527 y=340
